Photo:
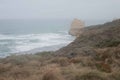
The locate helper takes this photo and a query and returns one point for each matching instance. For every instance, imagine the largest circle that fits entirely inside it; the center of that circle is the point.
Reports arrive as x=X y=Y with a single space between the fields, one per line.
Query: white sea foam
x=21 y=43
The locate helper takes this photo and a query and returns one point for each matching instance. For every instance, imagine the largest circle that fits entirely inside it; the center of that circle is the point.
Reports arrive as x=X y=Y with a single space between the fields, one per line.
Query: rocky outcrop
x=76 y=27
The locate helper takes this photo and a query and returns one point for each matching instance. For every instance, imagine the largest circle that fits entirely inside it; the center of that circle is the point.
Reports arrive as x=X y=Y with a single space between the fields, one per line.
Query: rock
x=76 y=27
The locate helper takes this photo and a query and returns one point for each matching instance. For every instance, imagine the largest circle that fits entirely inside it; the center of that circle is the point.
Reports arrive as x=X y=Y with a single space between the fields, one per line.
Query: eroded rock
x=76 y=27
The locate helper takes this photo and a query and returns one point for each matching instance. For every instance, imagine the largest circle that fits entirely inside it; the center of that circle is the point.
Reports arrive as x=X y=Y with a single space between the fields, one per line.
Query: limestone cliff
x=76 y=27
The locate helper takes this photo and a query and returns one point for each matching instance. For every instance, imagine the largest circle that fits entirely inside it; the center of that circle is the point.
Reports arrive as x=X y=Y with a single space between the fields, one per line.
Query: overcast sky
x=59 y=9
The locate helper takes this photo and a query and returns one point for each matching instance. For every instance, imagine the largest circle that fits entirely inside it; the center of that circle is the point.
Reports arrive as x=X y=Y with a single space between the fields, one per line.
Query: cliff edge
x=98 y=36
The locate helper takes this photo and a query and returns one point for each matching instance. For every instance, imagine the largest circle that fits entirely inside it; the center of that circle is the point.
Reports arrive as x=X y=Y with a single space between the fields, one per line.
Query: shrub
x=103 y=67
x=5 y=68
x=108 y=43
x=114 y=75
x=75 y=60
x=52 y=73
x=20 y=73
x=44 y=54
x=62 y=61
x=89 y=76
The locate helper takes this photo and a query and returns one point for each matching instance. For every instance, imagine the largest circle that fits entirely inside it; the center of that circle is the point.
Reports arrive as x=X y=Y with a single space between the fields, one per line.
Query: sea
x=32 y=36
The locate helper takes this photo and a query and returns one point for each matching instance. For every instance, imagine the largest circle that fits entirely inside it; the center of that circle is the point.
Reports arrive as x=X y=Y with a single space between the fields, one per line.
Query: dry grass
x=52 y=72
x=105 y=66
x=62 y=61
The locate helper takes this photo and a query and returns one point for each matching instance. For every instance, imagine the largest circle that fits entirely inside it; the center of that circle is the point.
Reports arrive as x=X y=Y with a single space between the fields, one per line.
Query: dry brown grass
x=62 y=61
x=43 y=67
x=52 y=72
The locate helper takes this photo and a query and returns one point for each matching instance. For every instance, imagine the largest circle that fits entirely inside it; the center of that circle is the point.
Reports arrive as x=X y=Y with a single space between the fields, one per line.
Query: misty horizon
x=60 y=9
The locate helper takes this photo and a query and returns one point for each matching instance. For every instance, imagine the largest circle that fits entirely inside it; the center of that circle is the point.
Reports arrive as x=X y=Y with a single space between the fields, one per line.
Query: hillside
x=94 y=55
x=98 y=36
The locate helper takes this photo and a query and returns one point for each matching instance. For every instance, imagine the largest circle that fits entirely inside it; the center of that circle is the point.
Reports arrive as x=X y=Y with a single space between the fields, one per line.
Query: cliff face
x=76 y=27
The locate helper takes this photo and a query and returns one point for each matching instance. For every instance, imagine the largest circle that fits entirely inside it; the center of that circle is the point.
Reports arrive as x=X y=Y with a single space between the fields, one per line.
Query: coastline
x=94 y=55
x=40 y=50
x=44 y=49
x=27 y=44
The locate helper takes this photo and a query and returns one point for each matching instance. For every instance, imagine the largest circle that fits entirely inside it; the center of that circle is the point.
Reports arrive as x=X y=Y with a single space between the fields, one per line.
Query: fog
x=59 y=9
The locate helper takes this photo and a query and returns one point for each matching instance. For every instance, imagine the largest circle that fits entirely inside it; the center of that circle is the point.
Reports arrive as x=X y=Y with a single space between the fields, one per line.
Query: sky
x=59 y=9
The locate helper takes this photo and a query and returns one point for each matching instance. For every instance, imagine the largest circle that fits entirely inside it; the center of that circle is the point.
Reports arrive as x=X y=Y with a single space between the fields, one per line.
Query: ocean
x=31 y=36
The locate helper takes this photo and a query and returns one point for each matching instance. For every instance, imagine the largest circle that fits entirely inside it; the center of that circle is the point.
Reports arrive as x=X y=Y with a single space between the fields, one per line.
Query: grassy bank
x=47 y=66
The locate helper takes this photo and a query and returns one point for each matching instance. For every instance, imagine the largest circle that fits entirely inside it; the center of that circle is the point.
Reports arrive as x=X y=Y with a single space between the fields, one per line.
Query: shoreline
x=39 y=50
x=49 y=43
x=44 y=49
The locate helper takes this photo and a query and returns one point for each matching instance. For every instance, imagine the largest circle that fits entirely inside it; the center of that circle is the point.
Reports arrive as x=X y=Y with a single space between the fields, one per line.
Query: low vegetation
x=108 y=43
x=47 y=66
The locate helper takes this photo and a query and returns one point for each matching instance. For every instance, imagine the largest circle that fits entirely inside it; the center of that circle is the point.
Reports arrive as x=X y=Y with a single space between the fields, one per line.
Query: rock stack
x=76 y=27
